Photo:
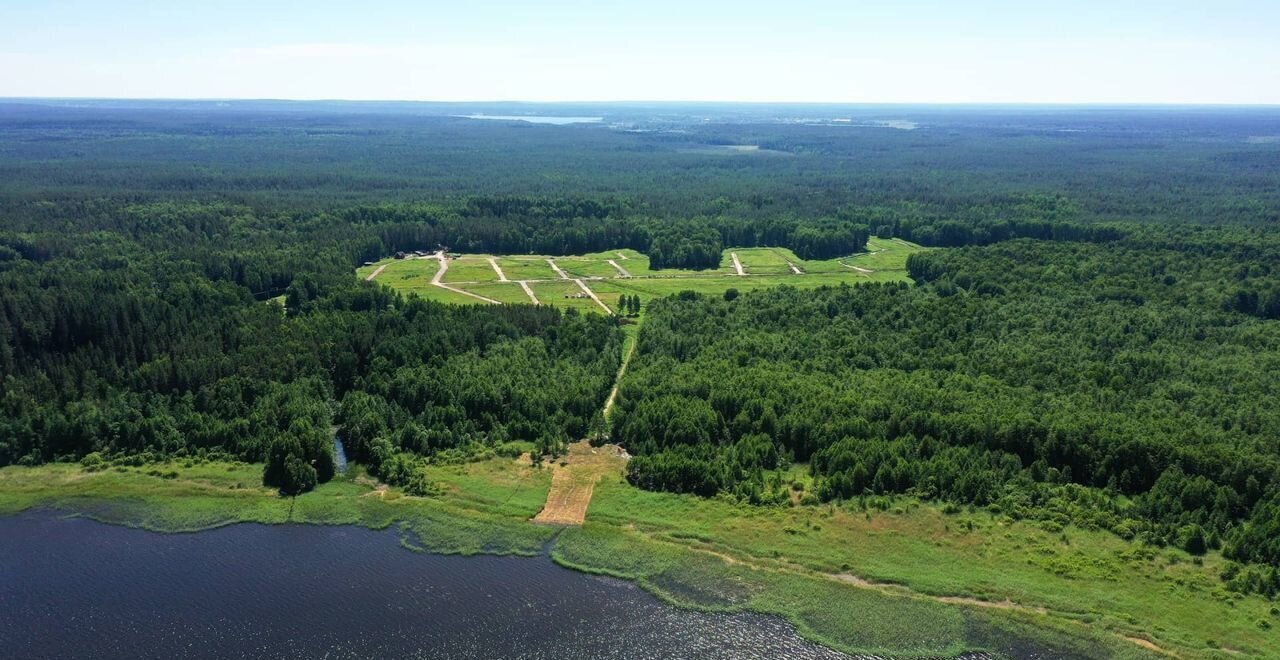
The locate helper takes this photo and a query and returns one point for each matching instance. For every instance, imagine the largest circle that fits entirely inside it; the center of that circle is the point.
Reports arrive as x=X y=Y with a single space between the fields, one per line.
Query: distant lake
x=538 y=119
x=71 y=587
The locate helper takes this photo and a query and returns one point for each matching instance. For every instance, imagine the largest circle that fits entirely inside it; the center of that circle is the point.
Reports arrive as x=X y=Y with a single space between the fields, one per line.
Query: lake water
x=538 y=119
x=71 y=587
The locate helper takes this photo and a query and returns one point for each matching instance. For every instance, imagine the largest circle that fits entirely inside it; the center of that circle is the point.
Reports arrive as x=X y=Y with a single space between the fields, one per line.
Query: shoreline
x=487 y=507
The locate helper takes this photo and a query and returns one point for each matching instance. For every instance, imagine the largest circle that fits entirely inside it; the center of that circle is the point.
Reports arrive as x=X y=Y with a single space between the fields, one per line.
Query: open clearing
x=573 y=281
x=573 y=482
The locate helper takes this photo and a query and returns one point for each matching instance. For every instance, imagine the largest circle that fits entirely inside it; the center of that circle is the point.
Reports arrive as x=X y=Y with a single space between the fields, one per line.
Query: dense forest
x=1093 y=343
x=1128 y=386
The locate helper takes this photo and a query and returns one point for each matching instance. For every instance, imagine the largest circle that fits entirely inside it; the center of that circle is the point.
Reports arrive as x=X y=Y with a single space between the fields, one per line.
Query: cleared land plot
x=587 y=267
x=527 y=268
x=508 y=293
x=638 y=265
x=406 y=275
x=471 y=268
x=766 y=261
x=648 y=289
x=572 y=484
x=884 y=262
x=565 y=293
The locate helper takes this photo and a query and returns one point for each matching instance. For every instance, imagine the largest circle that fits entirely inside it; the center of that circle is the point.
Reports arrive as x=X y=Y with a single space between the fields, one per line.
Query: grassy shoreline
x=714 y=555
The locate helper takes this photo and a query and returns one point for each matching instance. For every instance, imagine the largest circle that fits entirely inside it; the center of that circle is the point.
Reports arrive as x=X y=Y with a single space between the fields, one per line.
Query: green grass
x=484 y=509
x=503 y=292
x=587 y=267
x=407 y=275
x=562 y=294
x=527 y=268
x=470 y=268
x=766 y=267
x=716 y=555
x=1112 y=585
x=762 y=261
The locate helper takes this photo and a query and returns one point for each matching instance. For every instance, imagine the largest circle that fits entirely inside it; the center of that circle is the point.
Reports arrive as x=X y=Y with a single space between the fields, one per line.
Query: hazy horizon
x=815 y=51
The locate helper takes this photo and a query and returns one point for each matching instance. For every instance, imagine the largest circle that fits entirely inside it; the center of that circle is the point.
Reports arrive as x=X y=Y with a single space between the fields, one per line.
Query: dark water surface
x=74 y=588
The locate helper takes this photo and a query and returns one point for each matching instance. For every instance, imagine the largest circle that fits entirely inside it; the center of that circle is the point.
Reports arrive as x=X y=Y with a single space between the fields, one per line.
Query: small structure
x=399 y=255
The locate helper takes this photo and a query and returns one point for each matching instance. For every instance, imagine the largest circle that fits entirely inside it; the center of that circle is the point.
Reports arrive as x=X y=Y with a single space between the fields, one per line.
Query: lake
x=538 y=119
x=71 y=587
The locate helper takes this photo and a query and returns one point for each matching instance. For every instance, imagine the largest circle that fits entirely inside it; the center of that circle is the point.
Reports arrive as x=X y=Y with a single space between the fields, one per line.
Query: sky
x=839 y=51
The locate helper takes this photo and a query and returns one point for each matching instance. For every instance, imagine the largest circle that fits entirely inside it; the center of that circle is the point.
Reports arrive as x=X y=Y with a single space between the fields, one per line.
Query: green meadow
x=885 y=575
x=884 y=261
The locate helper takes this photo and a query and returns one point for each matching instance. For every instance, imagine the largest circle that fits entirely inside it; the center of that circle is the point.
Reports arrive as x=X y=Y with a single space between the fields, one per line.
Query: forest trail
x=502 y=277
x=573 y=483
x=376 y=273
x=622 y=371
x=587 y=290
x=621 y=271
x=436 y=280
x=737 y=265
x=864 y=271
x=524 y=284
x=556 y=267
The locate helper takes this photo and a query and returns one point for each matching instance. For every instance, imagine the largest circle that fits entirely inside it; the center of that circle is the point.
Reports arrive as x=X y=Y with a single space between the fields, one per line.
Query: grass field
x=508 y=293
x=565 y=293
x=527 y=268
x=905 y=578
x=470 y=268
x=885 y=261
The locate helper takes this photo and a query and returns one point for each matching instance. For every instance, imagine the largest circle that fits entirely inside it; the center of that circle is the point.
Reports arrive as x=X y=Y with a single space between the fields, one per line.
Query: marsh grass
x=717 y=555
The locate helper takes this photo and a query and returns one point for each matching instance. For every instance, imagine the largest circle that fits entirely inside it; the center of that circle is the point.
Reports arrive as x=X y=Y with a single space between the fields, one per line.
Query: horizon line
x=623 y=102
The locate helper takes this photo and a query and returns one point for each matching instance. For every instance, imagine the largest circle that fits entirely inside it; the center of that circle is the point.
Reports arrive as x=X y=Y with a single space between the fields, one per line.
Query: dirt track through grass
x=525 y=285
x=737 y=265
x=573 y=483
x=587 y=290
x=502 y=277
x=621 y=271
x=444 y=268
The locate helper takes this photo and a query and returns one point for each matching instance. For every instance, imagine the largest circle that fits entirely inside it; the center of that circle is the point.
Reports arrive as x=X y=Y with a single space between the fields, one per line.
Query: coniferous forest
x=1093 y=340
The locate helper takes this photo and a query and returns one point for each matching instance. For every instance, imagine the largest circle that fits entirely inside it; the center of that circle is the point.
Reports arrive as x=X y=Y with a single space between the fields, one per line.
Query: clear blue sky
x=1082 y=51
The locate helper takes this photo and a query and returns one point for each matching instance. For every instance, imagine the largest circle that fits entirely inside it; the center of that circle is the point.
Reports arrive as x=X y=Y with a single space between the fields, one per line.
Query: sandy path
x=572 y=484
x=444 y=268
x=737 y=265
x=795 y=269
x=376 y=272
x=623 y=256
x=554 y=266
x=621 y=271
x=524 y=284
x=864 y=271
x=502 y=277
x=585 y=289
x=622 y=371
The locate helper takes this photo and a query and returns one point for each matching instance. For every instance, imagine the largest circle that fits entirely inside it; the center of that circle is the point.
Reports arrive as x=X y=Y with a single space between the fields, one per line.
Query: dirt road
x=554 y=266
x=585 y=289
x=621 y=271
x=502 y=277
x=737 y=265
x=377 y=272
x=524 y=284
x=573 y=483
x=444 y=268
x=622 y=371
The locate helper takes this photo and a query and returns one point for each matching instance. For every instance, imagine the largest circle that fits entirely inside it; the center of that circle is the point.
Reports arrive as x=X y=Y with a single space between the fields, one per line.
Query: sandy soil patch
x=573 y=484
